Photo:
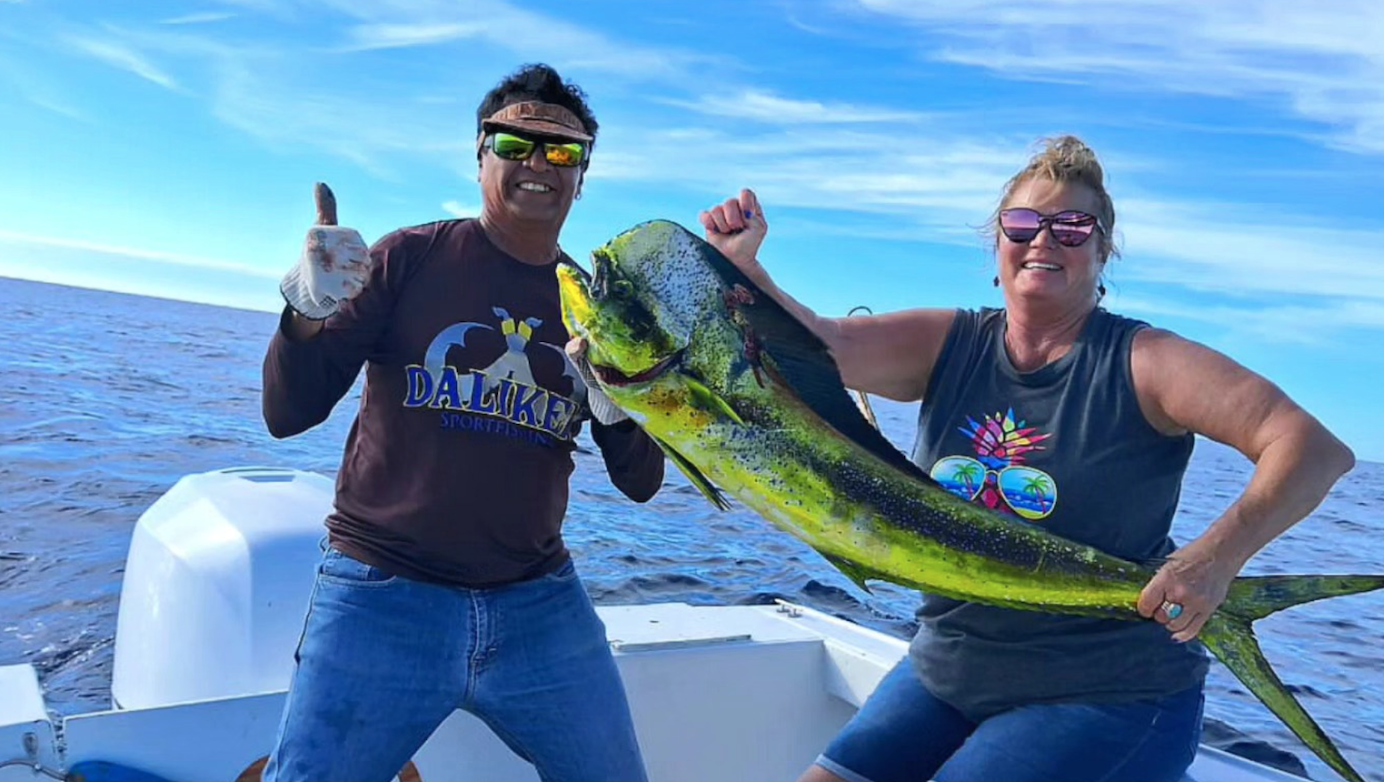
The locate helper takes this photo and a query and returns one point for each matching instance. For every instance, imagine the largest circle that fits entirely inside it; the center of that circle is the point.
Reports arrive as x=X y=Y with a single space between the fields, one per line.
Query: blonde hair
x=1066 y=160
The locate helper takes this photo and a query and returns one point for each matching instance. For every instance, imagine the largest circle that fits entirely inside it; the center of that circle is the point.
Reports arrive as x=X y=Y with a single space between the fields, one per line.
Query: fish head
x=638 y=308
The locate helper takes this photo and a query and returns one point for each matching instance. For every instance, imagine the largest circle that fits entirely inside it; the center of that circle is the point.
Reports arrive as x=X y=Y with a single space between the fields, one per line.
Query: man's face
x=531 y=190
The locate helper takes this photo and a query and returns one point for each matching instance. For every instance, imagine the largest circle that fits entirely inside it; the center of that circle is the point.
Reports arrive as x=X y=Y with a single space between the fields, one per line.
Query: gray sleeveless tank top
x=1067 y=448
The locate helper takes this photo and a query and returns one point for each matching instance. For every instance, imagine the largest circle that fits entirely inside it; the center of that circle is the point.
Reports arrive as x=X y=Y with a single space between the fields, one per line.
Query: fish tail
x=1255 y=597
x=1229 y=636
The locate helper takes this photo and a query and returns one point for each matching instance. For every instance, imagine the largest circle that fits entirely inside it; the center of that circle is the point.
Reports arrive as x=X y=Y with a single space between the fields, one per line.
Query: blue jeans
x=903 y=733
x=383 y=660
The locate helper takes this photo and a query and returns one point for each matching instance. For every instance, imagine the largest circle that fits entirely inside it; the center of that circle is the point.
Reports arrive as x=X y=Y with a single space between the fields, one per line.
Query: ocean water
x=107 y=399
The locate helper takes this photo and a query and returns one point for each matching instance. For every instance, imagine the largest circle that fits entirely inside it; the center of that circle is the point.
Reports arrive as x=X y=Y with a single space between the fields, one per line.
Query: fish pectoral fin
x=710 y=401
x=854 y=571
x=703 y=484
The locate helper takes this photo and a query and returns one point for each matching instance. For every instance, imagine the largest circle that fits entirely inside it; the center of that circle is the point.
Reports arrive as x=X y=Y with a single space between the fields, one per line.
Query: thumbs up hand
x=332 y=268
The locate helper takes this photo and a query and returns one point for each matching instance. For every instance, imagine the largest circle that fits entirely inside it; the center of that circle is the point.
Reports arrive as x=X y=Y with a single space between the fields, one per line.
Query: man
x=446 y=583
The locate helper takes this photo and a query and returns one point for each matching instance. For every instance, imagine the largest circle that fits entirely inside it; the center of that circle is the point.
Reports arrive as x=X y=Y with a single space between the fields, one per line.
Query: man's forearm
x=632 y=458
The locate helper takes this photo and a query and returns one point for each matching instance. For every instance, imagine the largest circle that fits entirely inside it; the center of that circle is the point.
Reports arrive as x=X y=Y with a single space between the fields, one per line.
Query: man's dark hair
x=541 y=83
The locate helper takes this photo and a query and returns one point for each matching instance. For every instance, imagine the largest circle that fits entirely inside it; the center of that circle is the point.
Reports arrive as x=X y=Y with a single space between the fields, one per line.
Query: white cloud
x=1280 y=324
x=393 y=36
x=357 y=126
x=293 y=97
x=459 y=209
x=208 y=17
x=766 y=107
x=530 y=35
x=818 y=154
x=58 y=106
x=254 y=5
x=15 y=238
x=943 y=186
x=124 y=58
x=1324 y=61
x=1216 y=247
x=943 y=178
x=39 y=88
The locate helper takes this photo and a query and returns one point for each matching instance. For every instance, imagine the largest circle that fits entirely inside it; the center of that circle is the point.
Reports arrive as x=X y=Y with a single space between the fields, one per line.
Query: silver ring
x=1173 y=610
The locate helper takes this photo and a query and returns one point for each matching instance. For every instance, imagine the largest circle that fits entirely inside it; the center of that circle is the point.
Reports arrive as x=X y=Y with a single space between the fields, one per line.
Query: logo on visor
x=997 y=476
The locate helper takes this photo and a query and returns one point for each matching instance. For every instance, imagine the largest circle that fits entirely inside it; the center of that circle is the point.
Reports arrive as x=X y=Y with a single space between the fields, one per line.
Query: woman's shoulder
x=978 y=318
x=1119 y=323
x=1145 y=337
x=1124 y=334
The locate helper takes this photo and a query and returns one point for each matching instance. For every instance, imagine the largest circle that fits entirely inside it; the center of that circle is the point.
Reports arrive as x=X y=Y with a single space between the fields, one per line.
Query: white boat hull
x=211 y=607
x=747 y=693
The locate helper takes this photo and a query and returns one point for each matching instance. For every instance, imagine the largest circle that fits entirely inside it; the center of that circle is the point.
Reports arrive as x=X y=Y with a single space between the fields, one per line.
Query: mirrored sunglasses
x=509 y=146
x=1070 y=228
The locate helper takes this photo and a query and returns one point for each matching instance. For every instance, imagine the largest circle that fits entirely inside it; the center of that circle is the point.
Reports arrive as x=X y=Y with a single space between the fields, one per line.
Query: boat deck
x=747 y=693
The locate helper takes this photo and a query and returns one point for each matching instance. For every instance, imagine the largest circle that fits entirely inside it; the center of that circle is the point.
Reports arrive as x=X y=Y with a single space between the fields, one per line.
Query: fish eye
x=622 y=289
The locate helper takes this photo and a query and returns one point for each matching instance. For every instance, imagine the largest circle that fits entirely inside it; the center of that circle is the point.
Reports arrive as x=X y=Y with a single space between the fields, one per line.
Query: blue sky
x=170 y=148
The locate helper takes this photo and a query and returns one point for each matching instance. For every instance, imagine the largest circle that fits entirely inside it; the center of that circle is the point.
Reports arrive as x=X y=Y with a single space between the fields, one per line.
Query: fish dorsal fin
x=805 y=364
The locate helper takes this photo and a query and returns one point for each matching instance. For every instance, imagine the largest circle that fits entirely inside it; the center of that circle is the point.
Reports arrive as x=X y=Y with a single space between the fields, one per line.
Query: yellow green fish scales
x=746 y=401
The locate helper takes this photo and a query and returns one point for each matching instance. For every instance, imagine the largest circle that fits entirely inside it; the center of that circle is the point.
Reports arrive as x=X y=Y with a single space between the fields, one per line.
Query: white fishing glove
x=332 y=268
x=602 y=409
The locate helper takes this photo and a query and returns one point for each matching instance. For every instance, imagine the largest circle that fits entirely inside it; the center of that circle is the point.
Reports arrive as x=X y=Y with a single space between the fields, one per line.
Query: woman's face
x=1043 y=272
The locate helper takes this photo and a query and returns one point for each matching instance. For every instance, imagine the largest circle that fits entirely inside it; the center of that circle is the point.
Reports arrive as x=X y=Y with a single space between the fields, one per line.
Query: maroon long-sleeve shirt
x=456 y=468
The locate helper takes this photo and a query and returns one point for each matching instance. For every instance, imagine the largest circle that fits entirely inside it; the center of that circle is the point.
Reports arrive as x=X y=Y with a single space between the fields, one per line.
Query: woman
x=1059 y=412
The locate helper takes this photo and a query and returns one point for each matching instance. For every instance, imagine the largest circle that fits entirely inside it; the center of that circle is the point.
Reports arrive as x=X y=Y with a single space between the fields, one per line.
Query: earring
x=578 y=196
x=997 y=281
x=1100 y=291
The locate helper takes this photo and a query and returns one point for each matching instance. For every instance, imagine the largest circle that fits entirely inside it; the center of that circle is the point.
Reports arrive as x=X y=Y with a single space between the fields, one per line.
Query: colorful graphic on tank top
x=996 y=475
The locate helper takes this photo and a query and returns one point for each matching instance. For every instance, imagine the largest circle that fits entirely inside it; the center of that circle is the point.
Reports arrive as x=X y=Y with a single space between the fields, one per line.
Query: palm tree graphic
x=967 y=473
x=1038 y=486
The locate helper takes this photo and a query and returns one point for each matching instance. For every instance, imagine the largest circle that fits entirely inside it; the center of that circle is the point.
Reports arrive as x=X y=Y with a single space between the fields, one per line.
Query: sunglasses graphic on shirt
x=1027 y=491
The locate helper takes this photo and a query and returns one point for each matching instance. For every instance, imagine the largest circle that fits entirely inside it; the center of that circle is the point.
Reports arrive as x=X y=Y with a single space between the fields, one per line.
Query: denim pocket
x=338 y=568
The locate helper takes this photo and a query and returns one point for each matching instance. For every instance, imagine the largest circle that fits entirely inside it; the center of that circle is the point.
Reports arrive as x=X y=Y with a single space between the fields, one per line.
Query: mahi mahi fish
x=746 y=401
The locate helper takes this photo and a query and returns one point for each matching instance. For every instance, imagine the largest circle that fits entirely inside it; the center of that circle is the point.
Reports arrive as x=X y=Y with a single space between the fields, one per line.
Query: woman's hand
x=1189 y=587
x=737 y=228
